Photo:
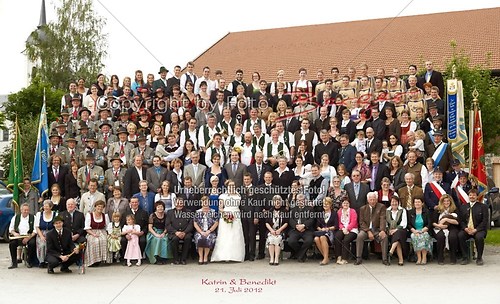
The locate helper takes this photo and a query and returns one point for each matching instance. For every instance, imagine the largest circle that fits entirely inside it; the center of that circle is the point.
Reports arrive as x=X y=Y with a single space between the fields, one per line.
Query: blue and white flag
x=40 y=176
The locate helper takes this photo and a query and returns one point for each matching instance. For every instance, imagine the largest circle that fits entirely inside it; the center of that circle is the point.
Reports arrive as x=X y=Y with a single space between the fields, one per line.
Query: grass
x=493 y=237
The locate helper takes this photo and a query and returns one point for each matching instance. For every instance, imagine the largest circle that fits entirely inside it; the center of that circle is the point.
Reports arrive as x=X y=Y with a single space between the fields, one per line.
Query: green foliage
x=27 y=103
x=72 y=47
x=28 y=127
x=493 y=237
x=478 y=77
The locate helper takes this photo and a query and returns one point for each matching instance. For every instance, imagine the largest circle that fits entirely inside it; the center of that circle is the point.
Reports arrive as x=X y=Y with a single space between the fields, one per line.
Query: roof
x=386 y=43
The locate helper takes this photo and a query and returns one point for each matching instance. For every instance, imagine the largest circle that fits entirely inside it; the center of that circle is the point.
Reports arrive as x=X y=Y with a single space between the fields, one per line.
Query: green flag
x=16 y=166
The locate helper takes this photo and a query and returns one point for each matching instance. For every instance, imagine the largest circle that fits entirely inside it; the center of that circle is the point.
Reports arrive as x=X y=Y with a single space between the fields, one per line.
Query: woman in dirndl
x=96 y=223
x=157 y=241
x=43 y=224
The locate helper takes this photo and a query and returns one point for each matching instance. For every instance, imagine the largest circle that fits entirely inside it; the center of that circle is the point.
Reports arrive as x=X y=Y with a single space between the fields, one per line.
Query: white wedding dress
x=230 y=244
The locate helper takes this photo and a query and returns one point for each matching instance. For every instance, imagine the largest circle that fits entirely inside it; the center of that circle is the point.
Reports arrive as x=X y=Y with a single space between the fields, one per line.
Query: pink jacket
x=353 y=219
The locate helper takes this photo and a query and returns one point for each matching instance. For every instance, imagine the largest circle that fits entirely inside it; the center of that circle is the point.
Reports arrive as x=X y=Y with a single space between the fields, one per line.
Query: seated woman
x=396 y=228
x=385 y=194
x=205 y=224
x=165 y=196
x=326 y=225
x=419 y=223
x=157 y=241
x=446 y=227
x=276 y=224
x=347 y=232
x=97 y=236
x=43 y=224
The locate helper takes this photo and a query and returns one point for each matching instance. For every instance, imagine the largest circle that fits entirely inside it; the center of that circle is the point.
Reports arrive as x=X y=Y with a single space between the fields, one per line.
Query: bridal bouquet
x=228 y=217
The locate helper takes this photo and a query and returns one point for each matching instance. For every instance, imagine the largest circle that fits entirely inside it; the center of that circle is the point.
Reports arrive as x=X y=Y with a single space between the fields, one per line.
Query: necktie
x=409 y=203
x=234 y=168
x=470 y=224
x=56 y=173
x=374 y=176
x=52 y=150
x=116 y=173
x=60 y=233
x=87 y=175
x=122 y=150
x=75 y=113
x=72 y=154
x=356 y=190
x=368 y=144
x=259 y=170
x=105 y=143
x=158 y=172
x=195 y=170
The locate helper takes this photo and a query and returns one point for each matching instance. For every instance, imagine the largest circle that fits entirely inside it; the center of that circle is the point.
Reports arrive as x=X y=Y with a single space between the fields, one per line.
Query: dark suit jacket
x=379 y=128
x=174 y=181
x=377 y=218
x=403 y=194
x=375 y=145
x=331 y=149
x=350 y=130
x=283 y=182
x=332 y=221
x=76 y=226
x=387 y=105
x=348 y=157
x=361 y=201
x=304 y=215
x=412 y=216
x=141 y=219
x=193 y=202
x=430 y=198
x=382 y=172
x=258 y=180
x=264 y=196
x=131 y=181
x=479 y=216
x=177 y=220
x=71 y=186
x=56 y=248
x=293 y=126
x=445 y=162
x=248 y=202
x=63 y=171
x=436 y=80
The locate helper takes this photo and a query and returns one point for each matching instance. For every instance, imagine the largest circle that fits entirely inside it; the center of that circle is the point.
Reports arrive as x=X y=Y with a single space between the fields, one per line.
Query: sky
x=176 y=32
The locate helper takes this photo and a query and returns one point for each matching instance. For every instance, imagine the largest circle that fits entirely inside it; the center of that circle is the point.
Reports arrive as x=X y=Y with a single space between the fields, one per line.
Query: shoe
x=42 y=265
x=276 y=263
x=129 y=264
x=176 y=262
x=344 y=262
x=302 y=260
x=479 y=262
x=19 y=261
x=400 y=263
x=124 y=263
x=205 y=263
x=200 y=263
x=389 y=257
x=138 y=263
x=28 y=265
x=251 y=259
x=424 y=263
x=261 y=256
x=50 y=271
x=271 y=263
x=12 y=266
x=453 y=262
x=183 y=262
x=418 y=263
x=386 y=262
x=358 y=262
x=323 y=263
x=66 y=270
x=464 y=262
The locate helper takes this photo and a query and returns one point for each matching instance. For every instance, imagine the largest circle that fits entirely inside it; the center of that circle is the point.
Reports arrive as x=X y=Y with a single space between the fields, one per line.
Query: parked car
x=6 y=214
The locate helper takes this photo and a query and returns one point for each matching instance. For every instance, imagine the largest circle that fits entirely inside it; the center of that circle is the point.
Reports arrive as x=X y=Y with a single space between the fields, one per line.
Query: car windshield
x=3 y=189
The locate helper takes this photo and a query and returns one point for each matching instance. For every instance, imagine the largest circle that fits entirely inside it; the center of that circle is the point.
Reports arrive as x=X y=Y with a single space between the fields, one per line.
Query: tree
x=28 y=127
x=27 y=103
x=72 y=47
x=478 y=77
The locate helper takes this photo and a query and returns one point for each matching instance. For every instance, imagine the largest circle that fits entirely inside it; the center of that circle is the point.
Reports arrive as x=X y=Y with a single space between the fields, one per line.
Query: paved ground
x=289 y=283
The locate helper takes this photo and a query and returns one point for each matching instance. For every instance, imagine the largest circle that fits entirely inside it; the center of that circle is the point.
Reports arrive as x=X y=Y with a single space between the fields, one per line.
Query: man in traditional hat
x=60 y=247
x=440 y=152
x=162 y=82
x=88 y=172
x=76 y=106
x=146 y=151
x=113 y=177
x=85 y=117
x=73 y=150
x=121 y=147
x=55 y=147
x=105 y=137
x=100 y=157
x=85 y=133
x=435 y=189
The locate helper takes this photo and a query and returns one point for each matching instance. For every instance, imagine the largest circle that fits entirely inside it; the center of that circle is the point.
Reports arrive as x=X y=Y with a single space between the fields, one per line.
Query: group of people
x=154 y=165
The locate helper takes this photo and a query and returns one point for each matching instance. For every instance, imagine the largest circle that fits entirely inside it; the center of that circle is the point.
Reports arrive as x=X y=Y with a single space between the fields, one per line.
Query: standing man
x=174 y=80
x=248 y=220
x=162 y=82
x=179 y=227
x=132 y=177
x=434 y=77
x=235 y=169
x=189 y=76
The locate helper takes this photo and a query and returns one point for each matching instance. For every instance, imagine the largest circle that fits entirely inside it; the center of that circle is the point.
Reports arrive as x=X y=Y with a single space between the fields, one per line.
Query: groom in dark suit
x=60 y=246
x=235 y=169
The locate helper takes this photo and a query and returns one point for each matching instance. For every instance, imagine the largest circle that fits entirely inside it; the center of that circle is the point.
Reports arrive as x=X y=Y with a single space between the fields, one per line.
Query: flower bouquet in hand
x=228 y=217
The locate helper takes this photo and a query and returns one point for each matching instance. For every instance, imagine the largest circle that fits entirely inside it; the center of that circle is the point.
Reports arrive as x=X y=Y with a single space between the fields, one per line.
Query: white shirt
x=24 y=225
x=139 y=171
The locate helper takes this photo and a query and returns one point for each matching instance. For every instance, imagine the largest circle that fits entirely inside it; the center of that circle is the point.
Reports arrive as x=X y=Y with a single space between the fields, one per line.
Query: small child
x=114 y=236
x=360 y=142
x=131 y=231
x=385 y=151
x=418 y=146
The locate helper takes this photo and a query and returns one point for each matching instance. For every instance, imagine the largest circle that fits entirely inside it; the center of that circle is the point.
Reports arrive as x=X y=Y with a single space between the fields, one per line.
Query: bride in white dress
x=230 y=244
